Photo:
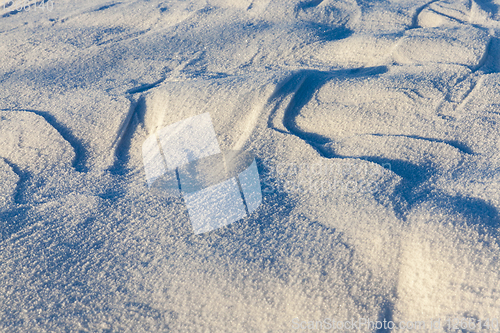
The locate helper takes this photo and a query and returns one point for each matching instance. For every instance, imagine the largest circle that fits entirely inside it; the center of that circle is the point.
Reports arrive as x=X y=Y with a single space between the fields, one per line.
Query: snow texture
x=374 y=128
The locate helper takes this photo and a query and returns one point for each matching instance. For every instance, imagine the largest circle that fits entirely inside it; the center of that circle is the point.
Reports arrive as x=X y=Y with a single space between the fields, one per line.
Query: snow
x=9 y=185
x=372 y=126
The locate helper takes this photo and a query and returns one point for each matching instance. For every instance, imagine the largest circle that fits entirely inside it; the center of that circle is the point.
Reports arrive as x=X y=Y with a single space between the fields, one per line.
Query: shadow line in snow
x=304 y=84
x=386 y=315
x=80 y=160
x=488 y=6
x=308 y=4
x=414 y=20
x=413 y=192
x=15 y=219
x=145 y=87
x=24 y=178
x=462 y=146
x=123 y=141
x=491 y=62
x=107 y=6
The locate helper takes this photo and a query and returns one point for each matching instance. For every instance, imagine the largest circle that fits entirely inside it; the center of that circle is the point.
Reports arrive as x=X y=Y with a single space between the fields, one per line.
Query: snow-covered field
x=375 y=126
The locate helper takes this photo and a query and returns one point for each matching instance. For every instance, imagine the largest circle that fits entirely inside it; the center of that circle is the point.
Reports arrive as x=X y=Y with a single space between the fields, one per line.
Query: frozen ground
x=401 y=99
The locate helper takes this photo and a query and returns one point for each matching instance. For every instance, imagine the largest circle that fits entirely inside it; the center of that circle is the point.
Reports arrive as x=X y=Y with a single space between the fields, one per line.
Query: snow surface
x=375 y=127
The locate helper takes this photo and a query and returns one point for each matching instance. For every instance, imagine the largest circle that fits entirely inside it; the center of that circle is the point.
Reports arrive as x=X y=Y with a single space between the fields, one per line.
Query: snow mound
x=32 y=144
x=465 y=46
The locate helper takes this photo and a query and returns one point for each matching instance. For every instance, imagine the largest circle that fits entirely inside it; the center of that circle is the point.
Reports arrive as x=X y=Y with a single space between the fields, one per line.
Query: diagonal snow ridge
x=240 y=99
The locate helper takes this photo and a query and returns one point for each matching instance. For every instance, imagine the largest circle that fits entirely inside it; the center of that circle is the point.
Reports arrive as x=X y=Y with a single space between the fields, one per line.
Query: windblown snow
x=375 y=127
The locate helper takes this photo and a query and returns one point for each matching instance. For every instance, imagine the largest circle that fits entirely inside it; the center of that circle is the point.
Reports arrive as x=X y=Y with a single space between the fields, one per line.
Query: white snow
x=375 y=127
